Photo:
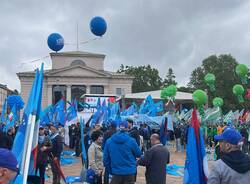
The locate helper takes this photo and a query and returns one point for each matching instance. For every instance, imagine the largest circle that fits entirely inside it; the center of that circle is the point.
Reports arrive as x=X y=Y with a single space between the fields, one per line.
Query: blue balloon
x=55 y=42
x=98 y=26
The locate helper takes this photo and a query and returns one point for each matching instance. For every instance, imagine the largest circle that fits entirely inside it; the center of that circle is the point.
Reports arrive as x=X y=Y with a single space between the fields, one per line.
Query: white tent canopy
x=157 y=95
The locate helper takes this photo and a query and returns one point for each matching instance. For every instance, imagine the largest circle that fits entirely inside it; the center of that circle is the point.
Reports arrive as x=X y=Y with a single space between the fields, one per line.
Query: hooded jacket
x=232 y=168
x=120 y=154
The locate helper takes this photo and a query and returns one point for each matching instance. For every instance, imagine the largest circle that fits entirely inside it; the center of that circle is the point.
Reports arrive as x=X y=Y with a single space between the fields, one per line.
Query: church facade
x=74 y=74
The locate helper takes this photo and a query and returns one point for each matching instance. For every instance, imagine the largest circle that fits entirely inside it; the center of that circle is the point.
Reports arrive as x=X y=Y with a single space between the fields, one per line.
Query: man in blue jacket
x=120 y=155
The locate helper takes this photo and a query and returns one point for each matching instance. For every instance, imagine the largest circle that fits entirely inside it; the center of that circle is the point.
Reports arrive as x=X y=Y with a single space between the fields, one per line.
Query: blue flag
x=196 y=166
x=12 y=118
x=98 y=105
x=59 y=113
x=47 y=115
x=147 y=105
x=71 y=113
x=84 y=154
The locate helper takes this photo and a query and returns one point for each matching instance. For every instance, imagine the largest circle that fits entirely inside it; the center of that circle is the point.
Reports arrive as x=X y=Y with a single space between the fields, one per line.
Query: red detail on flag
x=56 y=161
x=196 y=125
x=34 y=153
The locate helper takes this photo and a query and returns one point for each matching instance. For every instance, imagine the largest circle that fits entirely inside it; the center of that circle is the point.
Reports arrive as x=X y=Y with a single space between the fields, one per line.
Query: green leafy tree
x=146 y=77
x=170 y=78
x=223 y=67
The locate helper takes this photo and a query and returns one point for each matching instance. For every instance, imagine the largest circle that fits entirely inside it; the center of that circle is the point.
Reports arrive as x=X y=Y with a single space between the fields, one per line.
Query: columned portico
x=74 y=74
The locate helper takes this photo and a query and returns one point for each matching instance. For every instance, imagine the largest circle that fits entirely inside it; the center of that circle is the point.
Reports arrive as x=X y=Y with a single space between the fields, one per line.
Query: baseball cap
x=8 y=160
x=123 y=124
x=229 y=135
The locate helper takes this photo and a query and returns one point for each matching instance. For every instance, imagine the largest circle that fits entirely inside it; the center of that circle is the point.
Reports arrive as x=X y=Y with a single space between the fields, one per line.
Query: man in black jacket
x=44 y=148
x=57 y=148
x=133 y=131
x=155 y=159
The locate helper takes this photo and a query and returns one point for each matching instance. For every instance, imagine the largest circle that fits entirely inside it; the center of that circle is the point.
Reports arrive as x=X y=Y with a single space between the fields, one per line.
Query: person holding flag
x=57 y=148
x=234 y=165
x=44 y=149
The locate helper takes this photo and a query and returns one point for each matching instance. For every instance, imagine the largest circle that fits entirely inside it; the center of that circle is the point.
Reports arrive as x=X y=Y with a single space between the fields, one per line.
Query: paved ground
x=176 y=158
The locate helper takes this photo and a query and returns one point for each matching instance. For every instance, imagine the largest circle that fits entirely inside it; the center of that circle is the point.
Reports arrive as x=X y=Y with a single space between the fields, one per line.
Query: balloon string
x=33 y=61
x=84 y=42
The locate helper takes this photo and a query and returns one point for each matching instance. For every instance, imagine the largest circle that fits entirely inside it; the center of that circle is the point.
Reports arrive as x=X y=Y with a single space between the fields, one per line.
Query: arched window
x=78 y=62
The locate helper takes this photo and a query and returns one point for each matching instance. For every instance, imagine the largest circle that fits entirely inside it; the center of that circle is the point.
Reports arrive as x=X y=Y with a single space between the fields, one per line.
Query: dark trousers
x=56 y=173
x=123 y=179
x=106 y=176
x=98 y=179
x=42 y=169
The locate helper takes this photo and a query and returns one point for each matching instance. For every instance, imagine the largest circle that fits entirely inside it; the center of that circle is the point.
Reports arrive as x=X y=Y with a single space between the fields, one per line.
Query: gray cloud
x=163 y=33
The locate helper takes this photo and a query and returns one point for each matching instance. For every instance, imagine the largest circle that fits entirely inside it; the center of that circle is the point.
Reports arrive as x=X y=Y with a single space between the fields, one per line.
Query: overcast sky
x=163 y=33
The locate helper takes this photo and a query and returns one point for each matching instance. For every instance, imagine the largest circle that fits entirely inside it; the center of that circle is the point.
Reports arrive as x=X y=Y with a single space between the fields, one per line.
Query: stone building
x=73 y=74
x=3 y=95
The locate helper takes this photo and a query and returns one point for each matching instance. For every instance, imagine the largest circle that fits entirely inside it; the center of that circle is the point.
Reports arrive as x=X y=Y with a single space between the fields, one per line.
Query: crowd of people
x=114 y=152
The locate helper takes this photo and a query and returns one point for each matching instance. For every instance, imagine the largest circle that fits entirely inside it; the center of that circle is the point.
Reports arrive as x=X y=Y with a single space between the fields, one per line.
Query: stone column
x=106 y=91
x=50 y=95
x=68 y=94
x=87 y=89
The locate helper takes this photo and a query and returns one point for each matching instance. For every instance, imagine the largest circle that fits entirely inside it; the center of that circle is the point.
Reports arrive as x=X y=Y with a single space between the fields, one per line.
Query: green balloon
x=241 y=70
x=209 y=78
x=238 y=89
x=199 y=97
x=169 y=91
x=163 y=93
x=217 y=102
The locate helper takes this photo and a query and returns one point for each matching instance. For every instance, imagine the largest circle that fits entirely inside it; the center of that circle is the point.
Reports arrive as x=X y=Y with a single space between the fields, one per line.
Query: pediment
x=78 y=71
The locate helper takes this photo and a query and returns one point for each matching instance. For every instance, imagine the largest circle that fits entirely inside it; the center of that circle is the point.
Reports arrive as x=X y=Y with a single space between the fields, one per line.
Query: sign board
x=93 y=100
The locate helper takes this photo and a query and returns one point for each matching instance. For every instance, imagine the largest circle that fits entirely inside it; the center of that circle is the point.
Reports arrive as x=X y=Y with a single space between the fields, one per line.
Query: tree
x=146 y=77
x=223 y=67
x=170 y=78
x=185 y=89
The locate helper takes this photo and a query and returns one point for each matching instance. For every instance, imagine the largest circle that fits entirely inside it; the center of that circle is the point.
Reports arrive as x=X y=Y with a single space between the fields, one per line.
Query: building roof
x=77 y=53
x=157 y=95
x=52 y=72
